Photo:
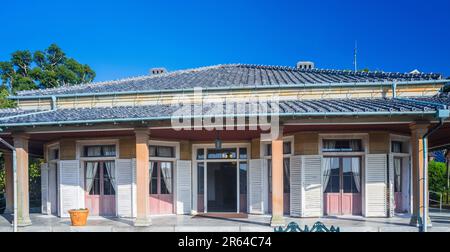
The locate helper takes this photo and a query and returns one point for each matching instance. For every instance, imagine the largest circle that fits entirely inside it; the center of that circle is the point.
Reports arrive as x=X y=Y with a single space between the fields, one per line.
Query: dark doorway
x=222 y=187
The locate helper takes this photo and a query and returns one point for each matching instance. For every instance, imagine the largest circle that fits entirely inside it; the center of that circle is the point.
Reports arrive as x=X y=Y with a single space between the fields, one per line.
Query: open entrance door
x=222 y=187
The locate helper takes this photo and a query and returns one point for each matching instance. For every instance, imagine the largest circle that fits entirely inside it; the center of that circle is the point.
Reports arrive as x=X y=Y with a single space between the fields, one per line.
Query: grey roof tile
x=129 y=113
x=233 y=75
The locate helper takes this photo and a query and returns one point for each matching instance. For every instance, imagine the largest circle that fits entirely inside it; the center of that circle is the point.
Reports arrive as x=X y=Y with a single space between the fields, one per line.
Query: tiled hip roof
x=331 y=107
x=232 y=76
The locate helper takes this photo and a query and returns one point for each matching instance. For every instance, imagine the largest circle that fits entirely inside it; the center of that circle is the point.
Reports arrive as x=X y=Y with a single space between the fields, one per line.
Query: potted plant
x=78 y=217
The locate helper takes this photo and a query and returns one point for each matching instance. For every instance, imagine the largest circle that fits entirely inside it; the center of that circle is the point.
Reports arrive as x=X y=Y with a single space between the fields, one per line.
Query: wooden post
x=418 y=130
x=9 y=188
x=277 y=181
x=142 y=178
x=23 y=208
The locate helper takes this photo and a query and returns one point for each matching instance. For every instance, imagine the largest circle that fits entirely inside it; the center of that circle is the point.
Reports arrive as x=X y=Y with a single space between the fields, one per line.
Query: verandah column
x=9 y=188
x=277 y=180
x=418 y=130
x=23 y=208
x=142 y=178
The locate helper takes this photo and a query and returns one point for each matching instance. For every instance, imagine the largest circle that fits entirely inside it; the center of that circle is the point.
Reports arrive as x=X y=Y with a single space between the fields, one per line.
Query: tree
x=43 y=69
x=437 y=176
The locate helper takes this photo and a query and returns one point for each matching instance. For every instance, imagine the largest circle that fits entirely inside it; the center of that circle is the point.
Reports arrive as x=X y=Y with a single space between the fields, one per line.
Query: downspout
x=424 y=223
x=14 y=157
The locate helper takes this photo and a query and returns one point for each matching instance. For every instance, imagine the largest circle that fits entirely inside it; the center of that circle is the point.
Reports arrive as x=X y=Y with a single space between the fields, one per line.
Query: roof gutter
x=249 y=88
x=295 y=114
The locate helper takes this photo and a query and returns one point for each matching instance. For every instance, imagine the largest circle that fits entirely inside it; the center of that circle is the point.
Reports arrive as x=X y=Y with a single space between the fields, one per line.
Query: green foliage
x=437 y=173
x=5 y=103
x=43 y=69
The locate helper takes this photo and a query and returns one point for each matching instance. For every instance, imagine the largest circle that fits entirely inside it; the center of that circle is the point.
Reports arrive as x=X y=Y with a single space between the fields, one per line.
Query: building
x=322 y=143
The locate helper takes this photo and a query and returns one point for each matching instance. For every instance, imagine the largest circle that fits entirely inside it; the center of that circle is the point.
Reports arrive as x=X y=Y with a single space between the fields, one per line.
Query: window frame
x=159 y=160
x=264 y=155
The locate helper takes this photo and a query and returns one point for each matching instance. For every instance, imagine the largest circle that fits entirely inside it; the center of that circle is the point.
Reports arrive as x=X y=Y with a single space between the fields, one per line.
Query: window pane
x=108 y=178
x=269 y=150
x=243 y=177
x=100 y=151
x=166 y=178
x=269 y=175
x=200 y=154
x=95 y=189
x=154 y=178
x=396 y=147
x=109 y=150
x=164 y=151
x=200 y=177
x=348 y=184
x=286 y=175
x=54 y=154
x=332 y=175
x=93 y=151
x=287 y=148
x=222 y=154
x=397 y=174
x=351 y=175
x=152 y=151
x=342 y=145
x=242 y=153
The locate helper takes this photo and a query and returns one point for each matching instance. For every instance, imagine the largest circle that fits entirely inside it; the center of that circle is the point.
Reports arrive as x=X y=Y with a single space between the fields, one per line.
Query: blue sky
x=127 y=38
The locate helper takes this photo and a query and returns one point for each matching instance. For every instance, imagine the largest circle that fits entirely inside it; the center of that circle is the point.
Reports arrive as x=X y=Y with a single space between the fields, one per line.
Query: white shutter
x=376 y=185
x=265 y=182
x=391 y=196
x=45 y=189
x=183 y=185
x=296 y=186
x=312 y=186
x=69 y=177
x=256 y=187
x=133 y=188
x=124 y=180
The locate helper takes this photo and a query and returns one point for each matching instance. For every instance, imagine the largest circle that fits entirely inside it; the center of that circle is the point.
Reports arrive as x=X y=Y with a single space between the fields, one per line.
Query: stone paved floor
x=43 y=223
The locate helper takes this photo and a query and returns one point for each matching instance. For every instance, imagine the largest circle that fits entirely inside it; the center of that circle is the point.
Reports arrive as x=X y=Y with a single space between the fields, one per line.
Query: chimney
x=305 y=65
x=158 y=70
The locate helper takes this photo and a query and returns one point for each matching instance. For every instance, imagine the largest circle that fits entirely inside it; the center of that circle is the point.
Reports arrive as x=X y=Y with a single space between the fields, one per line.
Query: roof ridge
x=339 y=71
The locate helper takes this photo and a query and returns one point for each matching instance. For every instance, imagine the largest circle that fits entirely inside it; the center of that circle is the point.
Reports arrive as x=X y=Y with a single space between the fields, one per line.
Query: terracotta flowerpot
x=79 y=217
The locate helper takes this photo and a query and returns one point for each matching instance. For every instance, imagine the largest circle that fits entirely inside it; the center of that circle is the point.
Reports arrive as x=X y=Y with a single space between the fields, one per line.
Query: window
x=161 y=177
x=396 y=147
x=397 y=175
x=162 y=151
x=342 y=145
x=230 y=153
x=100 y=178
x=100 y=151
x=286 y=149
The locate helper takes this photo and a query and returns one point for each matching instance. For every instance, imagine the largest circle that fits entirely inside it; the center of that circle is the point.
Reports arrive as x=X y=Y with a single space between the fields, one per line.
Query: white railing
x=436 y=201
